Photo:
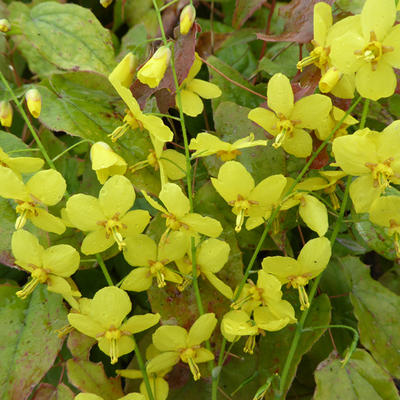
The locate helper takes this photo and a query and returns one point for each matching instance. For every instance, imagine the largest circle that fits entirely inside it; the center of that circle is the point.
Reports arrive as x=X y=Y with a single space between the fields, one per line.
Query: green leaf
x=244 y=10
x=62 y=36
x=360 y=378
x=29 y=342
x=82 y=104
x=46 y=391
x=377 y=311
x=274 y=346
x=231 y=92
x=135 y=40
x=90 y=377
x=79 y=345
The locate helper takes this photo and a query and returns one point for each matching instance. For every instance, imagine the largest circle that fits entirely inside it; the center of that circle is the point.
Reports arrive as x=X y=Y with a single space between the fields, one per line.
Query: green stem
x=104 y=270
x=28 y=123
x=267 y=227
x=313 y=290
x=70 y=148
x=164 y=115
x=143 y=369
x=364 y=114
x=167 y=5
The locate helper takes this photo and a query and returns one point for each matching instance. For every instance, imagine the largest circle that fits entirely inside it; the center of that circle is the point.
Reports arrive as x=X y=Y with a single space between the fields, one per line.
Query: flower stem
x=364 y=114
x=104 y=270
x=143 y=370
x=70 y=148
x=28 y=123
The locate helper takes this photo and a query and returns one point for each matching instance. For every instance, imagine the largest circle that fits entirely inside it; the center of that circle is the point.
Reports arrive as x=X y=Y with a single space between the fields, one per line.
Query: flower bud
x=6 y=113
x=4 y=25
x=187 y=18
x=124 y=72
x=105 y=3
x=153 y=71
x=329 y=79
x=34 y=102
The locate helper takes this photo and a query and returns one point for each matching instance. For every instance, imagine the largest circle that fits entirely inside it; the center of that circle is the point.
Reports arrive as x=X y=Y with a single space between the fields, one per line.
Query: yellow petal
x=205 y=225
x=174 y=247
x=220 y=285
x=204 y=89
x=237 y=323
x=174 y=199
x=163 y=361
x=154 y=203
x=265 y=118
x=62 y=260
x=174 y=164
x=96 y=242
x=233 y=180
x=299 y=143
x=363 y=193
x=170 y=338
x=314 y=214
x=314 y=256
x=310 y=110
x=11 y=186
x=392 y=40
x=270 y=285
x=212 y=255
x=202 y=329
x=268 y=192
x=139 y=250
x=378 y=17
x=135 y=221
x=49 y=223
x=156 y=127
x=281 y=267
x=85 y=324
x=110 y=305
x=192 y=104
x=274 y=317
x=125 y=345
x=203 y=355
x=376 y=84
x=159 y=386
x=139 y=323
x=322 y=22
x=25 y=165
x=26 y=248
x=48 y=186
x=117 y=196
x=280 y=95
x=84 y=212
x=384 y=210
x=138 y=280
x=153 y=71
x=124 y=72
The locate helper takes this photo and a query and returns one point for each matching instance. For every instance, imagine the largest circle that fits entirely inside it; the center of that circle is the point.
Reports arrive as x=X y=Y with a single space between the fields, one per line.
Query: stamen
x=64 y=331
x=27 y=289
x=303 y=297
x=250 y=344
x=118 y=238
x=279 y=139
x=21 y=220
x=194 y=369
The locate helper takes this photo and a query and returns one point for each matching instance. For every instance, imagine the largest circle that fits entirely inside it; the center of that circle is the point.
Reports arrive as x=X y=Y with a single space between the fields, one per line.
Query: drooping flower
x=20 y=165
x=6 y=113
x=34 y=102
x=105 y=162
x=141 y=251
x=177 y=344
x=287 y=119
x=178 y=216
x=121 y=78
x=103 y=320
x=374 y=158
x=153 y=71
x=211 y=256
x=370 y=48
x=45 y=188
x=192 y=90
x=49 y=266
x=237 y=187
x=312 y=260
x=186 y=19
x=107 y=219
x=385 y=211
x=206 y=144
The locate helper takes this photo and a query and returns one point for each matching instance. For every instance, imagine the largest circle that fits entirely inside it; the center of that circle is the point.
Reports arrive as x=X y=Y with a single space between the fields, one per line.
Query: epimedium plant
x=192 y=212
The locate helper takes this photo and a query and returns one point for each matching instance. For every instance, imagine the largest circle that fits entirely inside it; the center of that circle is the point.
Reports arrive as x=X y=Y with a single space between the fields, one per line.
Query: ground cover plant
x=199 y=199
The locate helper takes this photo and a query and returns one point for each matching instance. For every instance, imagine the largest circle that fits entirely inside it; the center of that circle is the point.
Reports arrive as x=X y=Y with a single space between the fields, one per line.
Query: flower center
x=298 y=282
x=39 y=275
x=172 y=223
x=129 y=122
x=225 y=155
x=318 y=57
x=240 y=207
x=285 y=128
x=113 y=335
x=187 y=356
x=381 y=173
x=113 y=227
x=157 y=269
x=26 y=211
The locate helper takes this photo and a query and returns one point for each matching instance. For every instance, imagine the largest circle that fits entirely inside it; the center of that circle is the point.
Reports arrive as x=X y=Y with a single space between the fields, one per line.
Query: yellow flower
x=153 y=71
x=312 y=260
x=371 y=49
x=178 y=216
x=142 y=251
x=287 y=119
x=373 y=158
x=45 y=188
x=91 y=396
x=6 y=113
x=186 y=19
x=206 y=144
x=176 y=343
x=4 y=25
x=49 y=266
x=34 y=102
x=211 y=256
x=237 y=187
x=121 y=78
x=20 y=165
x=103 y=320
x=107 y=219
x=385 y=211
x=105 y=162
x=267 y=290
x=192 y=90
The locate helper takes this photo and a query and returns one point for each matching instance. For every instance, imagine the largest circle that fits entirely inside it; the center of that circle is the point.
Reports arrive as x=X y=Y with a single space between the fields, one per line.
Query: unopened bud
x=187 y=18
x=34 y=102
x=153 y=71
x=124 y=72
x=105 y=3
x=329 y=80
x=6 y=113
x=4 y=25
